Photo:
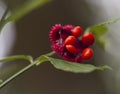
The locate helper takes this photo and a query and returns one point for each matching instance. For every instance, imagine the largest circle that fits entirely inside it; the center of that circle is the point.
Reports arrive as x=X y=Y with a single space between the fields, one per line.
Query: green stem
x=2 y=21
x=17 y=74
x=32 y=63
x=50 y=53
x=4 y=15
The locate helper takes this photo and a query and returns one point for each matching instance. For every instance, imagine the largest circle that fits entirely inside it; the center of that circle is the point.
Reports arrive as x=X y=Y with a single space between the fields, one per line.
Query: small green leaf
x=41 y=59
x=99 y=30
x=12 y=58
x=25 y=8
x=71 y=66
x=21 y=11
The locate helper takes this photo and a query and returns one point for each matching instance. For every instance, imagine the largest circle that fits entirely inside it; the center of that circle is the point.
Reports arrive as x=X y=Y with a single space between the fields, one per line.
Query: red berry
x=70 y=40
x=71 y=48
x=87 y=54
x=88 y=39
x=76 y=31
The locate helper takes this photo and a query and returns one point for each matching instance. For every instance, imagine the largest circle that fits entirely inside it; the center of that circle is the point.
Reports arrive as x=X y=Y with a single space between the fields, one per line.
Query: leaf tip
x=105 y=67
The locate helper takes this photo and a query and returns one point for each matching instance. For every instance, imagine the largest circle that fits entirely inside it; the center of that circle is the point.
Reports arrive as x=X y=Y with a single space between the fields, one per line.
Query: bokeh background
x=31 y=38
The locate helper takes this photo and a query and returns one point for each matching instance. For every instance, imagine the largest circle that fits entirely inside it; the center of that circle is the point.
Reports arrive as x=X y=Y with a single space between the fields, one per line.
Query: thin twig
x=17 y=74
x=50 y=54
x=4 y=15
x=2 y=21
x=32 y=63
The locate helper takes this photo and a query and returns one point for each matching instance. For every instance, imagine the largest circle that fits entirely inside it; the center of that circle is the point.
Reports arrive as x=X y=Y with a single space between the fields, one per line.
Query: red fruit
x=88 y=39
x=87 y=54
x=71 y=48
x=70 y=40
x=76 y=31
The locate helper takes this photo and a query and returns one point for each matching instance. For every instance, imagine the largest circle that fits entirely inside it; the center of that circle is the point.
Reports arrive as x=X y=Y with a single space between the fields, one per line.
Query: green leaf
x=71 y=66
x=100 y=29
x=21 y=11
x=41 y=59
x=25 y=8
x=12 y=58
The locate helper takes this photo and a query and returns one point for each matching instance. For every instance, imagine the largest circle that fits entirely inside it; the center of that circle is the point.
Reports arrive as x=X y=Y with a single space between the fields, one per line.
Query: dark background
x=32 y=39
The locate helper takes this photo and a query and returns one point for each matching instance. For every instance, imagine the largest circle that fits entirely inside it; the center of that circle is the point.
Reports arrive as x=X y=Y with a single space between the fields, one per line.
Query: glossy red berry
x=87 y=54
x=71 y=48
x=70 y=40
x=76 y=31
x=88 y=39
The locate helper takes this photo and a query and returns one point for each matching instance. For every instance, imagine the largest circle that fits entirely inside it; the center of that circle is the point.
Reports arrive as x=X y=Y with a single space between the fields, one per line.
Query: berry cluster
x=68 y=44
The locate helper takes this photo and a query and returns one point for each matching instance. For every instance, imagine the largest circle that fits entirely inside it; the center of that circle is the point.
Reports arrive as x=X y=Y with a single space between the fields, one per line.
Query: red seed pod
x=76 y=31
x=70 y=40
x=71 y=48
x=87 y=54
x=88 y=39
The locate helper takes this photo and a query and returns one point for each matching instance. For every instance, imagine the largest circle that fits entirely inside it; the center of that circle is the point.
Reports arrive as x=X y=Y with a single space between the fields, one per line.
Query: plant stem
x=17 y=74
x=4 y=15
x=30 y=65
x=50 y=53
x=2 y=21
